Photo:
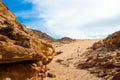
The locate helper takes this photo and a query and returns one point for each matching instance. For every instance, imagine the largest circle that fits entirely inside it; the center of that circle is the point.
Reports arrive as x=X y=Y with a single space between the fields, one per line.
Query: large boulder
x=23 y=56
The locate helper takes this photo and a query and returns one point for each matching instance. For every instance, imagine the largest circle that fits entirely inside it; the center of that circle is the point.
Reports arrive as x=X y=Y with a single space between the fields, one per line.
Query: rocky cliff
x=23 y=56
x=103 y=58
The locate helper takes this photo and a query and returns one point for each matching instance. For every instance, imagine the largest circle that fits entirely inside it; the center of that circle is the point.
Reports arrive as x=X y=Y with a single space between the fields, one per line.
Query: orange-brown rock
x=97 y=45
x=20 y=49
x=103 y=58
x=113 y=41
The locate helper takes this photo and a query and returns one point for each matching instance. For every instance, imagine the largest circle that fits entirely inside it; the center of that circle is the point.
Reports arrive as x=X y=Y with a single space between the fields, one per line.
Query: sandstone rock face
x=22 y=55
x=113 y=41
x=103 y=58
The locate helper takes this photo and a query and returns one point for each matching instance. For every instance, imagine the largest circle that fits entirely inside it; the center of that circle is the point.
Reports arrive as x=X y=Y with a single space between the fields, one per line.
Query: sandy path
x=71 y=73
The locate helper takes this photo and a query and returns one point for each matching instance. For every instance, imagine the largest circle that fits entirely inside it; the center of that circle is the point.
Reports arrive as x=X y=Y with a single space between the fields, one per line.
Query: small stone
x=51 y=75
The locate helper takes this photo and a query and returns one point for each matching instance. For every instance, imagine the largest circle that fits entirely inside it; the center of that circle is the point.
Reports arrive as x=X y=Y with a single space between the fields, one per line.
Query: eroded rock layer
x=22 y=55
x=103 y=58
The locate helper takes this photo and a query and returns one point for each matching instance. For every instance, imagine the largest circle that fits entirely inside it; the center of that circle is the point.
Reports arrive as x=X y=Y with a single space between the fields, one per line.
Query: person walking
x=78 y=51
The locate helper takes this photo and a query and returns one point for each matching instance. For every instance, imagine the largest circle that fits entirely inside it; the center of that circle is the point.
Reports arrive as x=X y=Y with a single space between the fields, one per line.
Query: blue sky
x=78 y=19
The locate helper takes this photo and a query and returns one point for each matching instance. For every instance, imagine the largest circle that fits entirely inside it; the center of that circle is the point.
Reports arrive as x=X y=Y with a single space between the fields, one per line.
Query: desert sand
x=66 y=70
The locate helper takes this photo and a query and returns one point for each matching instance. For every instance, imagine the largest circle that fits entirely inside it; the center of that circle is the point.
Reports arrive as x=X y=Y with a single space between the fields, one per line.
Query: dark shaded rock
x=116 y=77
x=59 y=60
x=58 y=52
x=51 y=75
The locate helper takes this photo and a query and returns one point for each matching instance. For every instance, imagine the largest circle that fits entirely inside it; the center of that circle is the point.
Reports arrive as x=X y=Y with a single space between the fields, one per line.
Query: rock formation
x=103 y=58
x=23 y=56
x=113 y=41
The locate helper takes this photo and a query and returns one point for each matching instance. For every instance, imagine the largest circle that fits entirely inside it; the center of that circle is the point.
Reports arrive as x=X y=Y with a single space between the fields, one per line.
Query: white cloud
x=67 y=17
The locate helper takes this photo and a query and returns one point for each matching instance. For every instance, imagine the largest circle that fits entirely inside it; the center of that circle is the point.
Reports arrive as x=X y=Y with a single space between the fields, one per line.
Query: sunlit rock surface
x=23 y=56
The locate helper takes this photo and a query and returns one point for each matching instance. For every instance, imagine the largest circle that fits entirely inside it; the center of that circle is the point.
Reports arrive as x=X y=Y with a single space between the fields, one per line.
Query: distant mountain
x=43 y=36
x=48 y=38
x=65 y=40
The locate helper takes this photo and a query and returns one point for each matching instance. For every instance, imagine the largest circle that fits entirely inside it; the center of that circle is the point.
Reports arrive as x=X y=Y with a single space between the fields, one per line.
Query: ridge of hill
x=54 y=42
x=43 y=36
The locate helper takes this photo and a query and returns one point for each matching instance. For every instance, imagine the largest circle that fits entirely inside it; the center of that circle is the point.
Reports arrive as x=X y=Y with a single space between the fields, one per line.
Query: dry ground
x=66 y=70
